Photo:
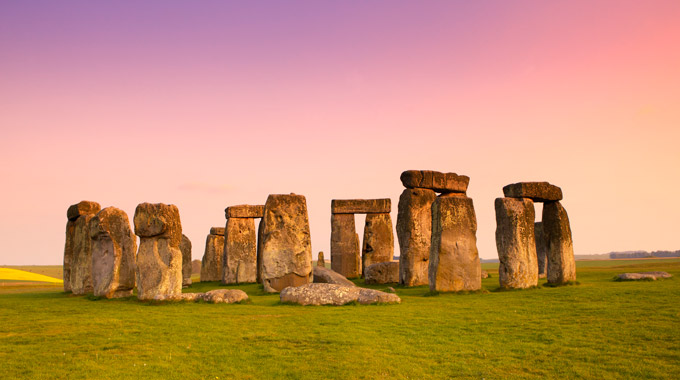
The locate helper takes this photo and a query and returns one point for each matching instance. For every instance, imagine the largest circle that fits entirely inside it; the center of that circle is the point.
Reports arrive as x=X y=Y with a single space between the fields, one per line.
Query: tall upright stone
x=541 y=249
x=114 y=247
x=557 y=231
x=414 y=231
x=211 y=265
x=345 y=258
x=286 y=243
x=454 y=260
x=68 y=254
x=260 y=231
x=78 y=248
x=240 y=251
x=378 y=243
x=516 y=243
x=185 y=247
x=159 y=258
x=320 y=261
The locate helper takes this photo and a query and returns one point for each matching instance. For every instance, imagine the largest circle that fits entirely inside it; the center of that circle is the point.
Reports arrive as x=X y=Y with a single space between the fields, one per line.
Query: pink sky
x=212 y=104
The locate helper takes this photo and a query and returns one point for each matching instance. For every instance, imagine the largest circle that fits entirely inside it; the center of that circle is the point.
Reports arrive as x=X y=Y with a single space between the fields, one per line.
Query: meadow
x=599 y=329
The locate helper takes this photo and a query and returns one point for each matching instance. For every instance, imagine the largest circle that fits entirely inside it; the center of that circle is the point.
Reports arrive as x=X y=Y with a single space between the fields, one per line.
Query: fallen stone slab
x=382 y=273
x=437 y=181
x=371 y=296
x=216 y=296
x=244 y=211
x=643 y=276
x=361 y=206
x=328 y=276
x=536 y=191
x=333 y=294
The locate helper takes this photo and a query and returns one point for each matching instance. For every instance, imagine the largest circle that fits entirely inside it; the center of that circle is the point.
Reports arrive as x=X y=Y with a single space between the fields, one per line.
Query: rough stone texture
x=345 y=258
x=68 y=254
x=332 y=294
x=244 y=211
x=211 y=265
x=414 y=231
x=454 y=259
x=82 y=208
x=437 y=181
x=217 y=231
x=185 y=247
x=516 y=243
x=557 y=235
x=361 y=206
x=541 y=249
x=378 y=244
x=286 y=244
x=114 y=247
x=329 y=276
x=643 y=276
x=485 y=274
x=320 y=261
x=260 y=231
x=382 y=273
x=216 y=296
x=536 y=191
x=240 y=251
x=81 y=260
x=159 y=258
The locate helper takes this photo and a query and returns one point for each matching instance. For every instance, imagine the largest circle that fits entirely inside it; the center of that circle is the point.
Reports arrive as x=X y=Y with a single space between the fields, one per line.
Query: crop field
x=598 y=329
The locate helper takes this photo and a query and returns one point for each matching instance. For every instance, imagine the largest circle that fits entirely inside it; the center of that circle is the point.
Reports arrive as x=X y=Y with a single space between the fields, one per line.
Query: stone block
x=361 y=206
x=536 y=191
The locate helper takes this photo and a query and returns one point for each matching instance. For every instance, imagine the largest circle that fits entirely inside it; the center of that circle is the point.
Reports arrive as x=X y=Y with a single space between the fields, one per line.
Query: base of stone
x=275 y=285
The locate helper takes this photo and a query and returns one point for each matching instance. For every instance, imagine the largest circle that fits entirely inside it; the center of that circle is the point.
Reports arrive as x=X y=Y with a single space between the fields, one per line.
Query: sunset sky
x=213 y=103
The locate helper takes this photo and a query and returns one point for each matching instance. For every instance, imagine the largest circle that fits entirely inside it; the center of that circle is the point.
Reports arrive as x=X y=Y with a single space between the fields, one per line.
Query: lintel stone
x=361 y=206
x=244 y=211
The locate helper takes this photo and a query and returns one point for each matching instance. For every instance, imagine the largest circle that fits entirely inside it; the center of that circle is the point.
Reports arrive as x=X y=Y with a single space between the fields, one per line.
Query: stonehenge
x=382 y=273
x=378 y=236
x=239 y=261
x=414 y=231
x=516 y=243
x=557 y=234
x=211 y=265
x=78 y=248
x=185 y=247
x=320 y=261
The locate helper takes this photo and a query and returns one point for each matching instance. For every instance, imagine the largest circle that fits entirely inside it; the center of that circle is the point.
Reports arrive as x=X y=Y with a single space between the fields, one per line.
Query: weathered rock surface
x=244 y=211
x=382 y=273
x=516 y=243
x=82 y=208
x=414 y=231
x=286 y=245
x=219 y=231
x=328 y=276
x=185 y=247
x=643 y=276
x=320 y=261
x=361 y=206
x=378 y=244
x=260 y=239
x=68 y=254
x=345 y=258
x=216 y=296
x=211 y=264
x=536 y=191
x=557 y=235
x=332 y=294
x=485 y=274
x=240 y=251
x=114 y=247
x=81 y=260
x=541 y=249
x=437 y=181
x=454 y=260
x=159 y=258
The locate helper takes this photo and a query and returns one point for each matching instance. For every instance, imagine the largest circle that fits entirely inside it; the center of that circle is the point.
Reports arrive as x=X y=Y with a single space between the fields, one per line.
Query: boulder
x=536 y=191
x=185 y=247
x=240 y=252
x=437 y=181
x=114 y=247
x=332 y=294
x=557 y=235
x=541 y=249
x=643 y=276
x=286 y=251
x=361 y=206
x=328 y=276
x=345 y=258
x=371 y=296
x=82 y=208
x=225 y=296
x=382 y=273
x=159 y=258
x=516 y=243
x=81 y=260
x=244 y=211
x=454 y=260
x=378 y=244
x=414 y=231
x=211 y=264
x=320 y=261
x=485 y=274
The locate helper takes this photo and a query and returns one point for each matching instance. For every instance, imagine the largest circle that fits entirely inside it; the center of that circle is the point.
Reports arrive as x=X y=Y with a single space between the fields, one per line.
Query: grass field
x=600 y=329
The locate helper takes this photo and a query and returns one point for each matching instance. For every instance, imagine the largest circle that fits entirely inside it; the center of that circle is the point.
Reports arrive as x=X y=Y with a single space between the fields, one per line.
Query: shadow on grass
x=568 y=283
x=435 y=293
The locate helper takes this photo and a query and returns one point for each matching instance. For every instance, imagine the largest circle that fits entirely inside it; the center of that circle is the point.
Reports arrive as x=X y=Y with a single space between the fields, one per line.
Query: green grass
x=599 y=329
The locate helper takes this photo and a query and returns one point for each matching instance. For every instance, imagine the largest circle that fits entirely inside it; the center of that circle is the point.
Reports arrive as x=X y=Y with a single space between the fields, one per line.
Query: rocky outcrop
x=240 y=251
x=557 y=235
x=536 y=191
x=414 y=231
x=345 y=258
x=185 y=247
x=361 y=206
x=516 y=243
x=378 y=243
x=382 y=273
x=211 y=264
x=329 y=276
x=332 y=294
x=78 y=248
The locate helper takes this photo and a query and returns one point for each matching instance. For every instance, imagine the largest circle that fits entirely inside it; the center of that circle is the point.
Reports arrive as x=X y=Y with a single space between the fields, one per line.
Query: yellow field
x=8 y=274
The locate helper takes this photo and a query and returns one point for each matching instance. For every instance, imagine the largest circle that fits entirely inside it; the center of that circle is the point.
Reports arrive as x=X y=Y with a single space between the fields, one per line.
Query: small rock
x=485 y=274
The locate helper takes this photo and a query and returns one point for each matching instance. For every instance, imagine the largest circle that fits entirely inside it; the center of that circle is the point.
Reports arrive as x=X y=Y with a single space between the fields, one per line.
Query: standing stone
x=378 y=244
x=454 y=259
x=320 y=261
x=541 y=249
x=78 y=248
x=159 y=258
x=260 y=231
x=516 y=243
x=286 y=243
x=345 y=257
x=240 y=251
x=414 y=231
x=561 y=263
x=211 y=265
x=114 y=247
x=382 y=273
x=68 y=254
x=185 y=247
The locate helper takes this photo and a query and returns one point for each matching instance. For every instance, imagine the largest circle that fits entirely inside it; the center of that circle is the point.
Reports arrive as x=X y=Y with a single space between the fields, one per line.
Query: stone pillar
x=260 y=230
x=286 y=244
x=114 y=247
x=378 y=243
x=414 y=231
x=454 y=260
x=320 y=261
x=159 y=258
x=211 y=265
x=78 y=248
x=240 y=251
x=516 y=243
x=557 y=231
x=345 y=257
x=541 y=249
x=185 y=247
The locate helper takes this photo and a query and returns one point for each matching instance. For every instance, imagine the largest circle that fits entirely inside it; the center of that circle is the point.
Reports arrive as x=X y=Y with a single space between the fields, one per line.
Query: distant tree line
x=643 y=254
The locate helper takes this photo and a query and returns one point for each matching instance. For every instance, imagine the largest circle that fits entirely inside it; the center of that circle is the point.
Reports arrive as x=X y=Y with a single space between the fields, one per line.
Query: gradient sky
x=210 y=104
